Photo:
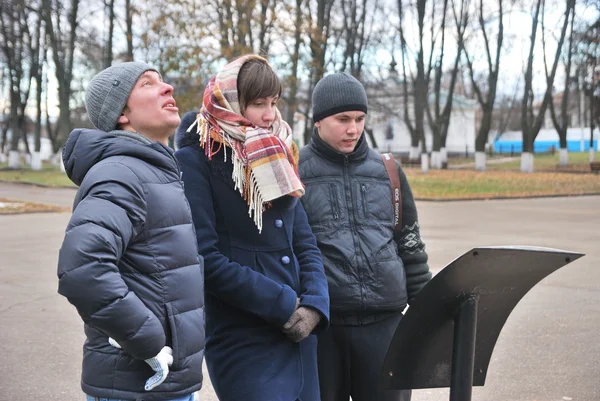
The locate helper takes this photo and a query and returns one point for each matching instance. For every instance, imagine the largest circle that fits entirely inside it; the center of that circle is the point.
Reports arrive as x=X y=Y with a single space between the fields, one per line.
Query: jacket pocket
x=173 y=331
x=373 y=201
x=388 y=288
x=324 y=203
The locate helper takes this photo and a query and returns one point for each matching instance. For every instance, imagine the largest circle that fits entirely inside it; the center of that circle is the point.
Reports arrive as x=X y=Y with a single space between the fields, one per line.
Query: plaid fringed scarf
x=265 y=162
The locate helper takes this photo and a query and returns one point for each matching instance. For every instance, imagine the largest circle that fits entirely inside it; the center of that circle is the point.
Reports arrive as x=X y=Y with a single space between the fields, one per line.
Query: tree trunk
x=420 y=95
x=531 y=125
x=592 y=112
x=434 y=117
x=292 y=102
x=525 y=104
x=480 y=161
x=13 y=155
x=461 y=23
x=484 y=129
x=3 y=142
x=108 y=56
x=129 y=30
x=319 y=34
x=38 y=56
x=63 y=62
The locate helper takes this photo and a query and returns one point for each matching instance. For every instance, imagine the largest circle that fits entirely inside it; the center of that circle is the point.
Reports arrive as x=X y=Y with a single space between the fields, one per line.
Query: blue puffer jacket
x=130 y=266
x=252 y=283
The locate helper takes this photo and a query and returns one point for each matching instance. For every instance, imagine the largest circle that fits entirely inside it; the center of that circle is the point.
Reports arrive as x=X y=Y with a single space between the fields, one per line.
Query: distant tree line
x=50 y=49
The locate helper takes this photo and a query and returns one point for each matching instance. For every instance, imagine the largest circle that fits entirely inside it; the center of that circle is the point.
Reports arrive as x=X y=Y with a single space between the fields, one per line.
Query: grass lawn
x=501 y=181
x=49 y=175
x=466 y=184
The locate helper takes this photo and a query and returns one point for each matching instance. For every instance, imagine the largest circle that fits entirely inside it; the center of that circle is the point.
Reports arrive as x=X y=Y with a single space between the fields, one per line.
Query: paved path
x=501 y=160
x=34 y=193
x=548 y=350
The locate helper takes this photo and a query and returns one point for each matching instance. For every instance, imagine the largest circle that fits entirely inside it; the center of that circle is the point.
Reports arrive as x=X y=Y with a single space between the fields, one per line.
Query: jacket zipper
x=363 y=190
x=336 y=206
x=348 y=187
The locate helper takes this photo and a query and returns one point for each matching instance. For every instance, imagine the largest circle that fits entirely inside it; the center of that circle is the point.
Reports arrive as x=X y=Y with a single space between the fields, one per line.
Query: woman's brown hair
x=256 y=80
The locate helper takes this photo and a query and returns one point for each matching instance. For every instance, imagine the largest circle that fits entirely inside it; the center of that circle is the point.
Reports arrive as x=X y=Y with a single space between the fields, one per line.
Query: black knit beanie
x=337 y=93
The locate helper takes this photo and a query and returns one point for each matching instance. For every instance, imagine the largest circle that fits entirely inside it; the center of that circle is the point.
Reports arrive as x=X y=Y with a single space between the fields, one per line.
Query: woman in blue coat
x=265 y=288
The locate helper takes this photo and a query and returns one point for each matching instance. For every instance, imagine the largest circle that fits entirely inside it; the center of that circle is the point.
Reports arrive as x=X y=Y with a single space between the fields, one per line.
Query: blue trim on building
x=541 y=146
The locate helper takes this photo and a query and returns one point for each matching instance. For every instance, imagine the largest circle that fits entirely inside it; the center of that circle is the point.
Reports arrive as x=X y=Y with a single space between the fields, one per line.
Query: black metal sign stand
x=447 y=335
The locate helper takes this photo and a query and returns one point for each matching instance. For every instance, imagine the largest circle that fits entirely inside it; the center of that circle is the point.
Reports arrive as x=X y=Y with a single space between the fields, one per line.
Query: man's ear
x=318 y=124
x=123 y=119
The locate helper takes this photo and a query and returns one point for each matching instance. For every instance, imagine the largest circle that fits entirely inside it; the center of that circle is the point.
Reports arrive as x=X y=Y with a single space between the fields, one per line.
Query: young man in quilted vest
x=373 y=270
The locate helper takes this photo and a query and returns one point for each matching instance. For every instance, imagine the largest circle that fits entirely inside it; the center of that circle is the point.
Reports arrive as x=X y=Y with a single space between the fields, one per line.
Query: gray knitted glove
x=301 y=324
x=160 y=364
x=293 y=312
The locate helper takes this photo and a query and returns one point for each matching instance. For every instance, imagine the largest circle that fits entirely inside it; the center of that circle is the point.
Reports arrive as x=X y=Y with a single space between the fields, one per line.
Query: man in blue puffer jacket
x=129 y=261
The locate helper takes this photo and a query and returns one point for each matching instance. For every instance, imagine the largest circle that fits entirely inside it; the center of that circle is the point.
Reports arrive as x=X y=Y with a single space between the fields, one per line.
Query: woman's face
x=261 y=111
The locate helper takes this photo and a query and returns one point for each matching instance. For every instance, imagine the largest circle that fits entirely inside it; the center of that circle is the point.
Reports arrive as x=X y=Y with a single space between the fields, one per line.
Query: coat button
x=278 y=223
x=285 y=260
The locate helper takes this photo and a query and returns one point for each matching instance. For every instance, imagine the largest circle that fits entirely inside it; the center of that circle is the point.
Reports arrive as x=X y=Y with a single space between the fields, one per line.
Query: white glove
x=160 y=364
x=112 y=342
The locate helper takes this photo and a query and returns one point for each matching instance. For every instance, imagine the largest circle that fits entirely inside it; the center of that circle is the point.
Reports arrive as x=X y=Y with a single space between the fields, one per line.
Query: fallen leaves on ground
x=9 y=206
x=455 y=184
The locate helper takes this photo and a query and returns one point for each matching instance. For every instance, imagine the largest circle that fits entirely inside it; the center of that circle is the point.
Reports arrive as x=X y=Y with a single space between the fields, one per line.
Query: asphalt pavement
x=548 y=350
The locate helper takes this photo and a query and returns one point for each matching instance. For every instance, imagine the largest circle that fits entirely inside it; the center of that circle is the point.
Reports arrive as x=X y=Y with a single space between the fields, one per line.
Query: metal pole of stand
x=463 y=351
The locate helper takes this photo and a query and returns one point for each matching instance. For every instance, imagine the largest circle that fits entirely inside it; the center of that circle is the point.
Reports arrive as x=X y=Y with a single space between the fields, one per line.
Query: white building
x=386 y=109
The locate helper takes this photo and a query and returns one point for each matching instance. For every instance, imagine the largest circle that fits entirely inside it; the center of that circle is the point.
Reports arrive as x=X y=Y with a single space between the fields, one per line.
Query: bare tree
x=360 y=30
x=407 y=99
x=530 y=123
x=62 y=42
x=17 y=47
x=588 y=52
x=506 y=117
x=319 y=32
x=356 y=31
x=439 y=120
x=178 y=41
x=293 y=79
x=561 y=123
x=108 y=52
x=243 y=26
x=416 y=94
x=486 y=99
x=38 y=58
x=4 y=134
x=129 y=11
x=5 y=111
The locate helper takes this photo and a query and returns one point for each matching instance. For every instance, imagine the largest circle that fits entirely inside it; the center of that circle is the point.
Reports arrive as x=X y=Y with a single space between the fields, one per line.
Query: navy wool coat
x=252 y=282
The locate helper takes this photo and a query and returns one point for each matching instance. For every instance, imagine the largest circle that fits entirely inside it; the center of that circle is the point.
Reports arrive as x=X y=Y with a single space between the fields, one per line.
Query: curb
x=471 y=199
x=37 y=184
x=505 y=197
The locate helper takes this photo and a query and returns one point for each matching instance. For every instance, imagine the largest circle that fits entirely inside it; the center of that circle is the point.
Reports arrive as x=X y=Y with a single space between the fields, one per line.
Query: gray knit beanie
x=107 y=93
x=337 y=93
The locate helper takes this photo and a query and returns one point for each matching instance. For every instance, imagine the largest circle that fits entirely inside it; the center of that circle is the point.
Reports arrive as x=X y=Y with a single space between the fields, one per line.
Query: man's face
x=343 y=130
x=151 y=109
